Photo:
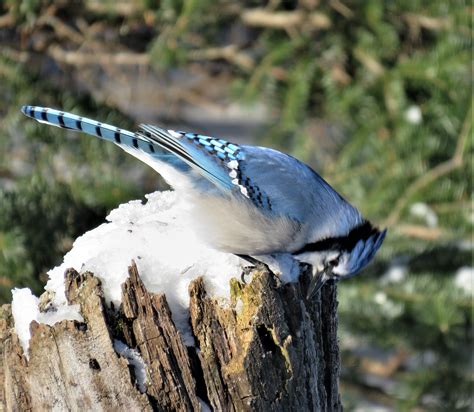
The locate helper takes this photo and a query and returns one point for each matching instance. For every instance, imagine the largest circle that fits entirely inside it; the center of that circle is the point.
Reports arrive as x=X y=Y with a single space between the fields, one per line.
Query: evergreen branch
x=415 y=297
x=335 y=175
x=438 y=171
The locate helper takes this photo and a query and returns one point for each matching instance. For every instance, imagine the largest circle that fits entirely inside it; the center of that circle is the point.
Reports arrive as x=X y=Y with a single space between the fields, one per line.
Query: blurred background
x=375 y=95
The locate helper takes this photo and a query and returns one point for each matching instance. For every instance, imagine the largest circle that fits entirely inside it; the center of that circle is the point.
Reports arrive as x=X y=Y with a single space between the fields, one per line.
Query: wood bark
x=268 y=349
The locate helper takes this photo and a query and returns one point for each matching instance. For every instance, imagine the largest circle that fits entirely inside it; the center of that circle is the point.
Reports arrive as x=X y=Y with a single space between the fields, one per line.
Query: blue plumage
x=251 y=200
x=198 y=151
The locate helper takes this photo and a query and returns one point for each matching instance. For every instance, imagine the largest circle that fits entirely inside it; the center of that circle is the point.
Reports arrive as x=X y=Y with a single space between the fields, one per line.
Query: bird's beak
x=317 y=282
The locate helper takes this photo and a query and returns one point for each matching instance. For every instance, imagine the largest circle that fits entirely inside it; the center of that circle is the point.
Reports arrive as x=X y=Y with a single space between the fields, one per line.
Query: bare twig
x=341 y=9
x=438 y=171
x=6 y=282
x=416 y=22
x=18 y=56
x=370 y=62
x=385 y=367
x=61 y=29
x=6 y=174
x=428 y=22
x=340 y=75
x=421 y=232
x=231 y=53
x=7 y=20
x=122 y=8
x=184 y=94
x=88 y=58
x=284 y=20
x=452 y=206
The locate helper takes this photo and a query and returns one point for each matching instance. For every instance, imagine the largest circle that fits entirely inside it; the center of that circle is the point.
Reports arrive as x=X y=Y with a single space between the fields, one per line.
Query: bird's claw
x=246 y=272
x=256 y=265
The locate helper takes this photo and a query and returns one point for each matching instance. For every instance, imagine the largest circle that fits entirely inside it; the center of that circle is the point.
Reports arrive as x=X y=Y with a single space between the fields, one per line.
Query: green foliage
x=426 y=315
x=28 y=251
x=61 y=188
x=179 y=21
x=377 y=66
x=394 y=78
x=25 y=10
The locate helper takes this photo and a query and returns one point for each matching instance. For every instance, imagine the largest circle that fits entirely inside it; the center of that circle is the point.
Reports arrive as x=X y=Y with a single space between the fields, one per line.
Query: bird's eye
x=334 y=262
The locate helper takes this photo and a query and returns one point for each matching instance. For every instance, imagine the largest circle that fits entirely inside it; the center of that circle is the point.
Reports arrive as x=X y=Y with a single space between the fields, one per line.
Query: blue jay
x=250 y=201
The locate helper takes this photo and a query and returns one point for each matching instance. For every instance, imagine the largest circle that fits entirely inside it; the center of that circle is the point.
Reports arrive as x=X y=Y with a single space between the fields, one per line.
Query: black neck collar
x=347 y=242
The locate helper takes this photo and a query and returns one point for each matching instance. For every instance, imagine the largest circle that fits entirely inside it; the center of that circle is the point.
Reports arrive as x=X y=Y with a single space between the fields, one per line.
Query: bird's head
x=341 y=257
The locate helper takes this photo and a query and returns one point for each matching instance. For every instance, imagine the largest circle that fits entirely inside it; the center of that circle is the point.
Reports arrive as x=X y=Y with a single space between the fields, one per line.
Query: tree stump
x=269 y=349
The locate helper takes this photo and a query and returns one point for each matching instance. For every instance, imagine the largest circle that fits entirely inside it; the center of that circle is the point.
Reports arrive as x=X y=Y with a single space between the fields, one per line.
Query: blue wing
x=219 y=161
x=293 y=189
x=213 y=158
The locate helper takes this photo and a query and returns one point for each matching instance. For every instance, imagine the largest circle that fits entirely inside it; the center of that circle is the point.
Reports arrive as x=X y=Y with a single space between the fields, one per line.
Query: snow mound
x=168 y=254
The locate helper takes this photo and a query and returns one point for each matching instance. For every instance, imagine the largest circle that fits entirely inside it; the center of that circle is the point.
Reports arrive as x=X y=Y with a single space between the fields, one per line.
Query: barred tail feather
x=103 y=131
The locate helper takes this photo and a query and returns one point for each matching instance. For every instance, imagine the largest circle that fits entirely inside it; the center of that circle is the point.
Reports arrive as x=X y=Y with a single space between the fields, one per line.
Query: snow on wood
x=268 y=348
x=143 y=315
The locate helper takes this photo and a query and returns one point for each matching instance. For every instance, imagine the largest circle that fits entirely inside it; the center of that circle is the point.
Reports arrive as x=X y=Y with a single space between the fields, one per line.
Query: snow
x=25 y=309
x=135 y=361
x=413 y=115
x=396 y=273
x=283 y=265
x=204 y=406
x=380 y=298
x=387 y=307
x=423 y=211
x=464 y=280
x=239 y=306
x=56 y=314
x=168 y=254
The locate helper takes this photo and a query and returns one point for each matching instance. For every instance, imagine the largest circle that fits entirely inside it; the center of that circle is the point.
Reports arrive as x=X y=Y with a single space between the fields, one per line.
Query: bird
x=249 y=200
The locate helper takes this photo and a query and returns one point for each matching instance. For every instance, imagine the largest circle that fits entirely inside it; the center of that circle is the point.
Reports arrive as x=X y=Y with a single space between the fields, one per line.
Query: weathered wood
x=268 y=349
x=267 y=352
x=170 y=377
x=14 y=395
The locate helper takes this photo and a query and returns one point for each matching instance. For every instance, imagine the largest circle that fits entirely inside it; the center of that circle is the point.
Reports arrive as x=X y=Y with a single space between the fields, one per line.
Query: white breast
x=234 y=225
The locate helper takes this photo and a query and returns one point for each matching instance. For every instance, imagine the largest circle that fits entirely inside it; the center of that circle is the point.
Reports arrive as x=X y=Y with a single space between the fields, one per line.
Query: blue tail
x=209 y=156
x=101 y=130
